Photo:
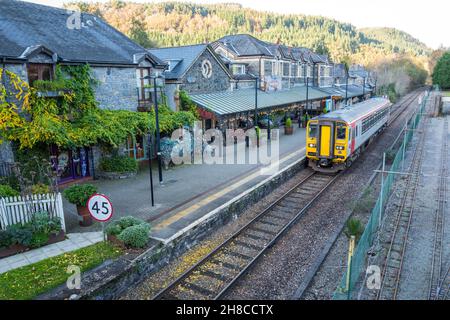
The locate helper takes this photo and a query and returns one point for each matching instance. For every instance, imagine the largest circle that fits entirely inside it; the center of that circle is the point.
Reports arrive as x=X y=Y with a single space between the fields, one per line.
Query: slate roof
x=246 y=45
x=24 y=25
x=353 y=90
x=185 y=56
x=243 y=100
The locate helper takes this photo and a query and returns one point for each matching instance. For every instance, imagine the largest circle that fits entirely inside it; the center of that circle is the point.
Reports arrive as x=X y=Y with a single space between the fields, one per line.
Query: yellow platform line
x=219 y=194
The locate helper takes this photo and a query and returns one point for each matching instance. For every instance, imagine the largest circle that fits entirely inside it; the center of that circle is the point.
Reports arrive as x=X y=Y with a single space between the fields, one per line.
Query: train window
x=312 y=130
x=340 y=131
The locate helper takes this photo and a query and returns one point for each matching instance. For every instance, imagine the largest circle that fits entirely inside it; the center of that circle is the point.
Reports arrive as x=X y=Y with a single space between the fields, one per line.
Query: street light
x=364 y=88
x=307 y=95
x=256 y=101
x=158 y=140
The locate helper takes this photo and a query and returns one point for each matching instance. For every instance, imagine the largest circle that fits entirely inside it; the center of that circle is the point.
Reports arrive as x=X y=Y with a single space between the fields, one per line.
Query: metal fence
x=358 y=263
x=15 y=210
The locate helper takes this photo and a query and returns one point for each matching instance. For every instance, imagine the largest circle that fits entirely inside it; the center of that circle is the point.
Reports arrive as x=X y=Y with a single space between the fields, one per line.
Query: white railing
x=14 y=210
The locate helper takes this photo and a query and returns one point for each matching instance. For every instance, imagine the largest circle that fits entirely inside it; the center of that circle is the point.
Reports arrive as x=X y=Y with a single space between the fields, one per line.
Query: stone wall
x=117 y=88
x=219 y=81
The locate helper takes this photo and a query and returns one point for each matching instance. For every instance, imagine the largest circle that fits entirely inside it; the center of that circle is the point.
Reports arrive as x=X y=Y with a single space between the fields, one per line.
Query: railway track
x=404 y=105
x=392 y=269
x=436 y=280
x=217 y=272
x=399 y=110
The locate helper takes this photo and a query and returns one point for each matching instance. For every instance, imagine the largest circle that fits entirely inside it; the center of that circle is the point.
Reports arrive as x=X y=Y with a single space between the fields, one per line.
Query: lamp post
x=158 y=140
x=307 y=94
x=364 y=88
x=256 y=101
x=346 y=88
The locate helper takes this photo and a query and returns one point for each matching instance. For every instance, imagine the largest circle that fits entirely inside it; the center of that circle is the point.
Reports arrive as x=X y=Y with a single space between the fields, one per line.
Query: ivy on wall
x=73 y=118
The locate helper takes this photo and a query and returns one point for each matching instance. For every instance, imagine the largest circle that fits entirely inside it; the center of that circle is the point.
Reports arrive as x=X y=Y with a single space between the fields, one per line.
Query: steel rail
x=411 y=179
x=438 y=248
x=266 y=212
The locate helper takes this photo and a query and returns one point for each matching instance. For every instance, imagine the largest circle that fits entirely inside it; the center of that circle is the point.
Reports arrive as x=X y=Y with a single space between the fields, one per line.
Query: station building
x=37 y=38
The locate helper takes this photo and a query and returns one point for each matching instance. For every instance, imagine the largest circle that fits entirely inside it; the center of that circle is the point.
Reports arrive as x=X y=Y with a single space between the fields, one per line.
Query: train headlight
x=340 y=148
x=311 y=145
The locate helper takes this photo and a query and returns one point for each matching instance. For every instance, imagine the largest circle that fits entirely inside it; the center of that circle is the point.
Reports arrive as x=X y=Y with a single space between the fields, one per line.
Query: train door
x=326 y=140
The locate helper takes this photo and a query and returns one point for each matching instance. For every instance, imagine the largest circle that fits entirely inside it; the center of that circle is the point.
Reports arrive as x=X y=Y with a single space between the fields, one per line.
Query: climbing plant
x=73 y=119
x=186 y=104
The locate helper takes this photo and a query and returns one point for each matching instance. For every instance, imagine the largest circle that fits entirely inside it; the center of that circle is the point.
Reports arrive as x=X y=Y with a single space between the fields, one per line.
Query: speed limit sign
x=100 y=207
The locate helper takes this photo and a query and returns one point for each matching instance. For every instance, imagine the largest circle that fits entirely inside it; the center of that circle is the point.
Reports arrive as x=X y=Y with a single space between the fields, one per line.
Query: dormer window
x=172 y=64
x=238 y=69
x=39 y=71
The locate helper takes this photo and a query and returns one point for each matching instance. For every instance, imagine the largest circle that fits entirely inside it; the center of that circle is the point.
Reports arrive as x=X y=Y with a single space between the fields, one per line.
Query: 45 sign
x=100 y=207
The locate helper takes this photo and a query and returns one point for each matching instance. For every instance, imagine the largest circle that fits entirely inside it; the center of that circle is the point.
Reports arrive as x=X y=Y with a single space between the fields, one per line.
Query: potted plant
x=79 y=195
x=288 y=128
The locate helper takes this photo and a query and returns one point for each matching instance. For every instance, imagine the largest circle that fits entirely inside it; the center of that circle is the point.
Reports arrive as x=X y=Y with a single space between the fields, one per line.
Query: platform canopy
x=353 y=90
x=243 y=100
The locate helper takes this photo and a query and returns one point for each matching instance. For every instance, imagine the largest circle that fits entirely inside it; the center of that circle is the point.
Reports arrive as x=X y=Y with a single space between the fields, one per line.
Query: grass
x=28 y=282
x=446 y=93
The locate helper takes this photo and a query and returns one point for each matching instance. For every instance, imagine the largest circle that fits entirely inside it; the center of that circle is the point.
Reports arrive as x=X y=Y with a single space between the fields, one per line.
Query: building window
x=135 y=147
x=238 y=69
x=39 y=72
x=144 y=94
x=286 y=67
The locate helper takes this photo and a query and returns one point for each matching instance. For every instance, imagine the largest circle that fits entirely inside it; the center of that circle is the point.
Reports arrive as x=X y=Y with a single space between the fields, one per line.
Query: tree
x=441 y=73
x=138 y=34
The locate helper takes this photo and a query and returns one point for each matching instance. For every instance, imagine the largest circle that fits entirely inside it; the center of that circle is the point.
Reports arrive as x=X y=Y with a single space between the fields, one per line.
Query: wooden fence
x=14 y=210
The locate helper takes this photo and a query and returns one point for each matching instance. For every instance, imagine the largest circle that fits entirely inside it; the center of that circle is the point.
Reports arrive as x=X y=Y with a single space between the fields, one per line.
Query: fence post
x=351 y=248
x=3 y=216
x=60 y=210
x=404 y=146
x=382 y=189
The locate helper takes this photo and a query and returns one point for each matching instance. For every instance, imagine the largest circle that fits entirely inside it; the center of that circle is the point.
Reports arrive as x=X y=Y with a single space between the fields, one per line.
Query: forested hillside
x=396 y=41
x=174 y=23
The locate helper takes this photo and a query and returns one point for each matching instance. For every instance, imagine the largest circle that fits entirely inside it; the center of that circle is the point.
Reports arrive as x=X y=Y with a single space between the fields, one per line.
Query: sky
x=425 y=20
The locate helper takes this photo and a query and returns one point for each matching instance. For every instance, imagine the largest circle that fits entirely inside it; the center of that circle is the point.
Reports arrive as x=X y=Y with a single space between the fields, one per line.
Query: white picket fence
x=14 y=210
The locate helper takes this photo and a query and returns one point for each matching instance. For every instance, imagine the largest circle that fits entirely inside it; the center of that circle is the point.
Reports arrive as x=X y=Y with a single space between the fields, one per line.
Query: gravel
x=279 y=272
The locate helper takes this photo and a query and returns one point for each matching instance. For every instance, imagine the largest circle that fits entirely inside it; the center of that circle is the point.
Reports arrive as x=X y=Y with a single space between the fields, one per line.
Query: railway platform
x=188 y=192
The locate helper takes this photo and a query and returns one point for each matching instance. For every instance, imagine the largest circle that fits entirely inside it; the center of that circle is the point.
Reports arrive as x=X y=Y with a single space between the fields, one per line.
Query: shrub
x=40 y=188
x=7 y=191
x=119 y=164
x=20 y=234
x=288 y=122
x=117 y=226
x=5 y=239
x=80 y=194
x=38 y=240
x=43 y=223
x=135 y=236
x=354 y=227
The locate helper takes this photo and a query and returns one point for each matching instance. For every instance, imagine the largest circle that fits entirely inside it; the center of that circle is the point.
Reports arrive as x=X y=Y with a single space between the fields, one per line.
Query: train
x=336 y=139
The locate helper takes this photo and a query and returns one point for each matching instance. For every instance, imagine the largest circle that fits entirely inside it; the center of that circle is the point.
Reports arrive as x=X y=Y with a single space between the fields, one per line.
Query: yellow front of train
x=327 y=144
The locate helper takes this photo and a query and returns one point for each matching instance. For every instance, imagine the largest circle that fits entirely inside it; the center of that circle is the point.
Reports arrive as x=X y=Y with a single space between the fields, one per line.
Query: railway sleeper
x=265 y=229
x=239 y=255
x=215 y=275
x=271 y=223
x=255 y=237
x=250 y=245
x=226 y=264
x=199 y=289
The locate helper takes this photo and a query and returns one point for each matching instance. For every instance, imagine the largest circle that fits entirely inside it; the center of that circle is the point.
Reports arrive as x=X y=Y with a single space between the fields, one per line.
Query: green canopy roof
x=230 y=102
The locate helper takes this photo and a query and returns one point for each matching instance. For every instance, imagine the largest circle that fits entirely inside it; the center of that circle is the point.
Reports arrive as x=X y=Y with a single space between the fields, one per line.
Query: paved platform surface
x=74 y=242
x=188 y=191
